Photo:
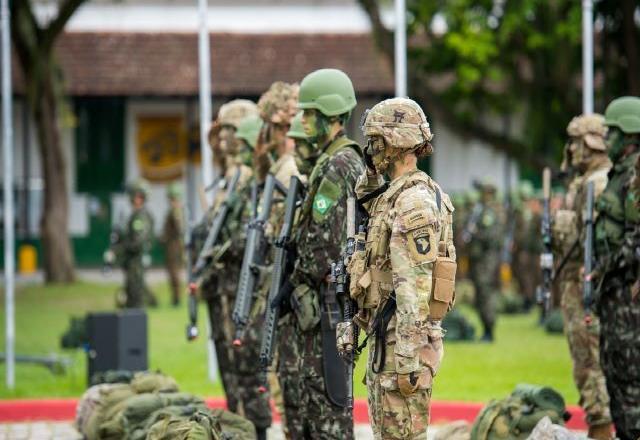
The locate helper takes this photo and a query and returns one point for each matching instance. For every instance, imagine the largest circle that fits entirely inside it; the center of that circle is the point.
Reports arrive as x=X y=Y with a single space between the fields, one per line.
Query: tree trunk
x=58 y=262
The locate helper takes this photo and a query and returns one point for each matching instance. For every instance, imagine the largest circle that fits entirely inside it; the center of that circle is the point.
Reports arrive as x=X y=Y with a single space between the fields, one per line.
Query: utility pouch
x=306 y=306
x=443 y=292
x=356 y=269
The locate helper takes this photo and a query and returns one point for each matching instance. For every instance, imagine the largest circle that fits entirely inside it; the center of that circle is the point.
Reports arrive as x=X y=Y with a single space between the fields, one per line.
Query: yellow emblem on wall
x=162 y=147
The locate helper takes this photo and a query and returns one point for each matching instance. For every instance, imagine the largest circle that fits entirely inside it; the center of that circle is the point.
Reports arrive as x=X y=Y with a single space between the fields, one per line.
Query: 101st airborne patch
x=422 y=245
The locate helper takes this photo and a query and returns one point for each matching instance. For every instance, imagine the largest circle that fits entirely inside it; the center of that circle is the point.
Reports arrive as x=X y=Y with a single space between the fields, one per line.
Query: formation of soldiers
x=312 y=239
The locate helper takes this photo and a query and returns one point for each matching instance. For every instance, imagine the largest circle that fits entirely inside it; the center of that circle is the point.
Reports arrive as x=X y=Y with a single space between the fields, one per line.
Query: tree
x=34 y=46
x=472 y=58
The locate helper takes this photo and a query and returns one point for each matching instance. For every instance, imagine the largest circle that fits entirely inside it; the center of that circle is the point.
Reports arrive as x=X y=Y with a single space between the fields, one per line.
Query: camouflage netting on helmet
x=235 y=111
x=591 y=128
x=278 y=104
x=402 y=124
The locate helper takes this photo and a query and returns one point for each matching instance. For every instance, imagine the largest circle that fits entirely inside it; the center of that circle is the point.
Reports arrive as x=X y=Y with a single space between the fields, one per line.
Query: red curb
x=65 y=409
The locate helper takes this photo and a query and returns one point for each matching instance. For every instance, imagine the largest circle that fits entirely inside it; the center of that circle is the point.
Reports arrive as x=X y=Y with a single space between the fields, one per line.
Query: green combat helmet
x=329 y=91
x=624 y=113
x=233 y=112
x=249 y=130
x=296 y=131
x=401 y=122
x=173 y=191
x=138 y=187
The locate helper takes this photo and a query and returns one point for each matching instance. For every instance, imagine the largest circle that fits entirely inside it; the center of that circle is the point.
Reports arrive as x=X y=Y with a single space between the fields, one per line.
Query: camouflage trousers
x=173 y=271
x=219 y=308
x=136 y=289
x=584 y=346
x=254 y=405
x=527 y=278
x=620 y=355
x=483 y=274
x=393 y=415
x=310 y=414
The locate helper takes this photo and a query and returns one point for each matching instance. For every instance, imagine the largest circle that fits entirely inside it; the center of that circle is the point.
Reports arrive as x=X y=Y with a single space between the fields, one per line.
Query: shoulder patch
x=326 y=197
x=138 y=225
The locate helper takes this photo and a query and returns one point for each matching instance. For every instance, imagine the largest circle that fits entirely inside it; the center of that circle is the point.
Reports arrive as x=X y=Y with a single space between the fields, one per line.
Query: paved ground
x=65 y=431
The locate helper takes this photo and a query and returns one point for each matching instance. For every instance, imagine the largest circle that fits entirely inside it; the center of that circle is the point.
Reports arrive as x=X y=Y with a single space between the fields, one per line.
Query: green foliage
x=43 y=312
x=506 y=57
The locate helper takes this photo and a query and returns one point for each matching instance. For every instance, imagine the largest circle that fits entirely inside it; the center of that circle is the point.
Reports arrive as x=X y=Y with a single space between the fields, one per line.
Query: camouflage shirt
x=138 y=236
x=321 y=229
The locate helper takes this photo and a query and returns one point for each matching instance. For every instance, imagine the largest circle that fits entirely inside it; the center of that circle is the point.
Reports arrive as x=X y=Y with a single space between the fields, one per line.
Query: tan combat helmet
x=278 y=104
x=401 y=122
x=591 y=128
x=235 y=111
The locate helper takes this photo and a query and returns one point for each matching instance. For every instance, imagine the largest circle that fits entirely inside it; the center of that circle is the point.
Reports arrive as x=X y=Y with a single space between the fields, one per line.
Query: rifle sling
x=379 y=330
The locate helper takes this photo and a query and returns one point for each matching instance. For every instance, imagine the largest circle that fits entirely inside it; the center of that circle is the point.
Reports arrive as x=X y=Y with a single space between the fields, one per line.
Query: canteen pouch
x=357 y=268
x=443 y=292
x=306 y=306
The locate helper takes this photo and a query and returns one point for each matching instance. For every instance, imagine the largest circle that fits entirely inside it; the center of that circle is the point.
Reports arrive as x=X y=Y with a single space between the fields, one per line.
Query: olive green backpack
x=515 y=416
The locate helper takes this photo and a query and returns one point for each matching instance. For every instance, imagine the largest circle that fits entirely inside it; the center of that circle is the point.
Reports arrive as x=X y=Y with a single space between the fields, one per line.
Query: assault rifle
x=587 y=287
x=204 y=254
x=543 y=292
x=347 y=329
x=255 y=252
x=283 y=257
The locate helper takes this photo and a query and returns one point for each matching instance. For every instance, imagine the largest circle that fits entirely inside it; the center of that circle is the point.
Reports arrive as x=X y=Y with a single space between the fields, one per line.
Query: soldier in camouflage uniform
x=484 y=242
x=617 y=265
x=220 y=280
x=586 y=160
x=527 y=244
x=173 y=240
x=313 y=395
x=403 y=280
x=132 y=249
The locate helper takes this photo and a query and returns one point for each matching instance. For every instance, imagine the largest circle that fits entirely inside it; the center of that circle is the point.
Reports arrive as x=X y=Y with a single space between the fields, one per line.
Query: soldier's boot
x=600 y=432
x=488 y=335
x=261 y=433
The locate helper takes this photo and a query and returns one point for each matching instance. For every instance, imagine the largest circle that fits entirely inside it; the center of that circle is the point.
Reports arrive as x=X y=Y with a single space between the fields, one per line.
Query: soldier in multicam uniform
x=314 y=396
x=132 y=250
x=617 y=265
x=484 y=246
x=173 y=241
x=220 y=280
x=586 y=160
x=403 y=279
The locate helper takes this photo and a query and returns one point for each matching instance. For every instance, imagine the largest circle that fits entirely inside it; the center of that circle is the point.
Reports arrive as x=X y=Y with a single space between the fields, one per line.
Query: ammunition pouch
x=306 y=306
x=443 y=291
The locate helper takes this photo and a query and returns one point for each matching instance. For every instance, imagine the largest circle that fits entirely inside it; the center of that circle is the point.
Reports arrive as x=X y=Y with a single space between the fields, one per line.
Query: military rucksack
x=515 y=416
x=554 y=322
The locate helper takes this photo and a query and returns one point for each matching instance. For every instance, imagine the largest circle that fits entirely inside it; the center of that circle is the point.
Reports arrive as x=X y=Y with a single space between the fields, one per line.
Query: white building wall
x=458 y=161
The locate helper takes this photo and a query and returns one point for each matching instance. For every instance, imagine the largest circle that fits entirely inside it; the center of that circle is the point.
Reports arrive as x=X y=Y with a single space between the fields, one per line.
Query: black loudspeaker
x=117 y=341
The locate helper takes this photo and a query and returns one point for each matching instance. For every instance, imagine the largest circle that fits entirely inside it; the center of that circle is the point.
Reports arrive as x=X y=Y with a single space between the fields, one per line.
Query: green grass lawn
x=470 y=371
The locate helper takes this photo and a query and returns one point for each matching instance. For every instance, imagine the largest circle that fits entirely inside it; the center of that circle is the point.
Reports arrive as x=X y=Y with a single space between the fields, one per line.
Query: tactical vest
x=612 y=208
x=370 y=267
